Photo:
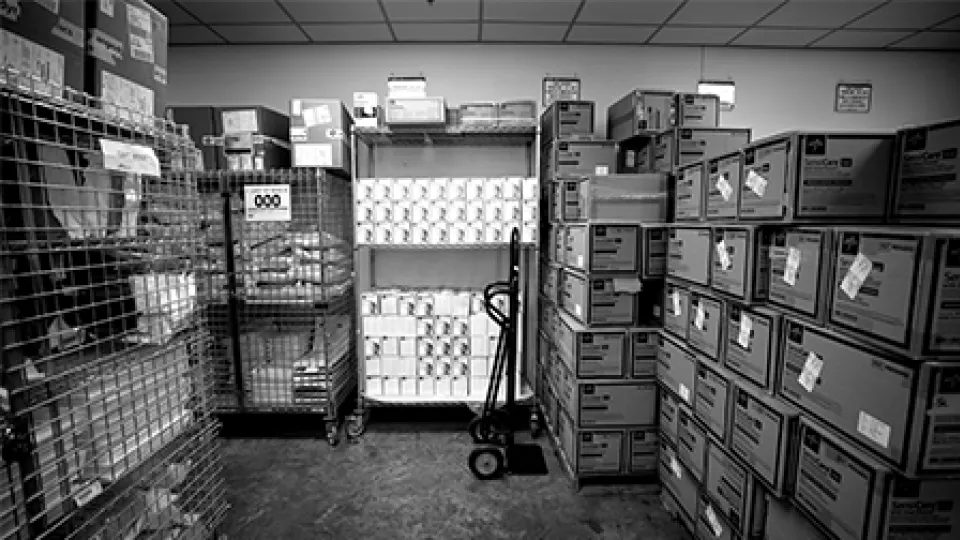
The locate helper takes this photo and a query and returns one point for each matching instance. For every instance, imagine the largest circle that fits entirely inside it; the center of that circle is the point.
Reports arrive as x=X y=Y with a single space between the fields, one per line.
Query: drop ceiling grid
x=870 y=24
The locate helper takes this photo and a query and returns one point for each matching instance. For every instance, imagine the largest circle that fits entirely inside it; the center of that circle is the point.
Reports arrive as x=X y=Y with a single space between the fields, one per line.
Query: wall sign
x=853 y=98
x=267 y=202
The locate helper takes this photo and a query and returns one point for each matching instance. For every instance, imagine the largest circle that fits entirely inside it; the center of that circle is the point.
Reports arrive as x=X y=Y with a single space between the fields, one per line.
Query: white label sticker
x=792 y=268
x=241 y=121
x=141 y=34
x=723 y=184
x=811 y=371
x=856 y=275
x=627 y=285
x=723 y=256
x=715 y=526
x=316 y=115
x=312 y=155
x=267 y=202
x=129 y=158
x=746 y=329
x=602 y=170
x=675 y=467
x=756 y=183
x=677 y=311
x=684 y=392
x=579 y=261
x=700 y=317
x=578 y=310
x=873 y=429
x=106 y=7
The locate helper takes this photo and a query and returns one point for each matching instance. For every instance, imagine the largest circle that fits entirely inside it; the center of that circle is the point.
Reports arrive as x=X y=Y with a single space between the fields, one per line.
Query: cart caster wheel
x=333 y=435
x=355 y=427
x=486 y=429
x=536 y=427
x=487 y=463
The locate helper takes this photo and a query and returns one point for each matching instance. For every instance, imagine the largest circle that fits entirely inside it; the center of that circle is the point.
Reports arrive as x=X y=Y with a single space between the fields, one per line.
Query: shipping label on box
x=711 y=399
x=617 y=404
x=691 y=444
x=676 y=369
x=603 y=248
x=734 y=267
x=723 y=187
x=928 y=184
x=644 y=445
x=690 y=254
x=591 y=354
x=729 y=487
x=752 y=342
x=800 y=262
x=679 y=482
x=710 y=525
x=669 y=413
x=762 y=434
x=677 y=307
x=644 y=345
x=688 y=198
x=706 y=325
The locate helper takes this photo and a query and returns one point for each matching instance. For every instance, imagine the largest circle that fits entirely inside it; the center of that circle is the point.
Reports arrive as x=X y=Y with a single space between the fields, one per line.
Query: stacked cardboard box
x=602 y=271
x=809 y=346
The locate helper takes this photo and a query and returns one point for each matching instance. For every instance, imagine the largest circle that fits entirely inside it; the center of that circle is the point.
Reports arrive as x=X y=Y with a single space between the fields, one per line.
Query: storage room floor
x=404 y=482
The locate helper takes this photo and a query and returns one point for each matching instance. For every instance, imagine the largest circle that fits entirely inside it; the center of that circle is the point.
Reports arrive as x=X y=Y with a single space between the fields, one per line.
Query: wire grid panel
x=294 y=272
x=12 y=510
x=98 y=325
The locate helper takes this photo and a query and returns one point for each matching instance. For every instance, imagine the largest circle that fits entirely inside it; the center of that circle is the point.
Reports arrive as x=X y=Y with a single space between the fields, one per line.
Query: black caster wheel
x=487 y=463
x=355 y=427
x=536 y=426
x=487 y=429
x=333 y=435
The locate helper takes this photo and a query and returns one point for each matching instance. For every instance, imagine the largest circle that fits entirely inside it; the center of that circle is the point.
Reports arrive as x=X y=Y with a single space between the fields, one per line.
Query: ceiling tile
x=174 y=14
x=952 y=24
x=530 y=10
x=192 y=35
x=436 y=32
x=768 y=37
x=723 y=13
x=672 y=35
x=443 y=10
x=627 y=11
x=860 y=39
x=909 y=15
x=931 y=40
x=818 y=13
x=523 y=32
x=308 y=11
x=236 y=11
x=348 y=32
x=586 y=33
x=266 y=33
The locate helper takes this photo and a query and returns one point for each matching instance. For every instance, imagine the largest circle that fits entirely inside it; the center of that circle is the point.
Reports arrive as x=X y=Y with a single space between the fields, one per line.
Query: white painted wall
x=776 y=89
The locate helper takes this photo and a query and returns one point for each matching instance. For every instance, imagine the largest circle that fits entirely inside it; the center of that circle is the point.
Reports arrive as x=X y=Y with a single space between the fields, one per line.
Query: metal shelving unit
x=413 y=266
x=108 y=430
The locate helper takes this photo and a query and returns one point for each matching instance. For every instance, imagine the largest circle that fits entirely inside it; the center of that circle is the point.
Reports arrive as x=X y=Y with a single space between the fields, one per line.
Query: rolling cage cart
x=278 y=266
x=106 y=410
x=434 y=207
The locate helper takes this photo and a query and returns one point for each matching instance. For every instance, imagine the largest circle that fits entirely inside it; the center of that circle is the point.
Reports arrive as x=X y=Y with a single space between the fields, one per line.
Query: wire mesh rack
x=107 y=390
x=281 y=291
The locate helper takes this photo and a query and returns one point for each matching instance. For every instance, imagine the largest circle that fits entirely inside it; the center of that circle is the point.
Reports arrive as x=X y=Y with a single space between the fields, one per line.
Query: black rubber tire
x=487 y=463
x=355 y=427
x=536 y=427
x=495 y=425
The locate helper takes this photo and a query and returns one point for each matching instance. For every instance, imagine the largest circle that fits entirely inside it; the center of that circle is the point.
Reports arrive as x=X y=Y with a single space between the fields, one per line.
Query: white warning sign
x=267 y=202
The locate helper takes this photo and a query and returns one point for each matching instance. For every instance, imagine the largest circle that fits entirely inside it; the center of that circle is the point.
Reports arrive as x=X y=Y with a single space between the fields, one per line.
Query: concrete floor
x=395 y=485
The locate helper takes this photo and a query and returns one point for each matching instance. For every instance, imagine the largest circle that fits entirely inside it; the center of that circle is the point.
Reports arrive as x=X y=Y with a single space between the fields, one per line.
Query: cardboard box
x=669 y=414
x=643 y=345
x=752 y=344
x=691 y=444
x=126 y=62
x=320 y=133
x=515 y=113
x=608 y=404
x=416 y=111
x=33 y=35
x=676 y=369
x=763 y=434
x=567 y=158
x=688 y=198
x=550 y=287
x=566 y=118
x=591 y=353
x=635 y=156
x=706 y=324
x=690 y=254
x=927 y=182
x=602 y=248
x=677 y=147
x=723 y=178
x=201 y=121
x=735 y=270
x=710 y=525
x=901 y=294
x=624 y=198
x=678 y=480
x=590 y=452
x=799 y=262
x=735 y=495
x=696 y=111
x=595 y=300
x=638 y=113
x=816 y=176
x=479 y=113
x=643 y=447
x=854 y=497
x=711 y=398
x=898 y=412
x=785 y=522
x=677 y=308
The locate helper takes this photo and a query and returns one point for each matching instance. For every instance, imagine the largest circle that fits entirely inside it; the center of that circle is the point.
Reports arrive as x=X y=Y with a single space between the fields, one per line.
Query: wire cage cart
x=107 y=411
x=434 y=209
x=278 y=269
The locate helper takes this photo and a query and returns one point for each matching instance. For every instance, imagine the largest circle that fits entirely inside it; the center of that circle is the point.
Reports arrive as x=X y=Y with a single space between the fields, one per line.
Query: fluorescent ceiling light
x=725 y=90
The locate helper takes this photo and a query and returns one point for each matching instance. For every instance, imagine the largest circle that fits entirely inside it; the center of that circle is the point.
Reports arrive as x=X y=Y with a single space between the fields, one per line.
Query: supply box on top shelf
x=126 y=61
x=367 y=112
x=254 y=138
x=695 y=111
x=611 y=198
x=46 y=43
x=517 y=112
x=253 y=119
x=416 y=111
x=484 y=113
x=801 y=176
x=560 y=89
x=639 y=113
x=565 y=119
x=681 y=146
x=927 y=182
x=320 y=134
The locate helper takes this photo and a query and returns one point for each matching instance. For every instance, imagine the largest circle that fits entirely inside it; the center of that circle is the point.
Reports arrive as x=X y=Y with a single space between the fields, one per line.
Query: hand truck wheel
x=487 y=463
x=355 y=427
x=486 y=429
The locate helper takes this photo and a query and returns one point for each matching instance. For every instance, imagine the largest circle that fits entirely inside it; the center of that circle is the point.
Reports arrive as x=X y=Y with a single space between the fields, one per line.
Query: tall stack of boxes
x=603 y=261
x=810 y=345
